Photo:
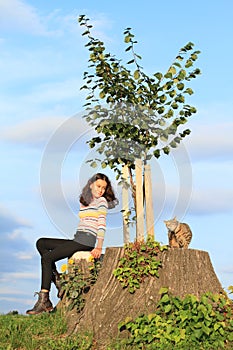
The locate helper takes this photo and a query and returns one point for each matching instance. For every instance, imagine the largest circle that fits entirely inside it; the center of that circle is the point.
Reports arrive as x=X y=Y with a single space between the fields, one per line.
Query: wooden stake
x=125 y=204
x=149 y=202
x=139 y=201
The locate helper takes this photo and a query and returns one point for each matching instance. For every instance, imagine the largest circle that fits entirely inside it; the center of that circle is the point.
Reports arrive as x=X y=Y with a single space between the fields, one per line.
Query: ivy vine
x=140 y=260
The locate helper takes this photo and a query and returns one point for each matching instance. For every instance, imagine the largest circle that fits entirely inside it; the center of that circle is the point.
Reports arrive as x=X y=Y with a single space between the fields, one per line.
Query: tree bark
x=183 y=271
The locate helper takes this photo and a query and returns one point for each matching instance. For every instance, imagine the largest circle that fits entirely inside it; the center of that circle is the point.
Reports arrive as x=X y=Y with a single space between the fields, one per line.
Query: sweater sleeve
x=102 y=213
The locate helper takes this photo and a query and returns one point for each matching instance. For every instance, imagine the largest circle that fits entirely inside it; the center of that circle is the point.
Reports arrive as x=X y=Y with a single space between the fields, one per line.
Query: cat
x=179 y=233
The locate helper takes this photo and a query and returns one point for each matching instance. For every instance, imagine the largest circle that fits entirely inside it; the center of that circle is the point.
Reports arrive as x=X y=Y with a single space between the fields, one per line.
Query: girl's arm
x=103 y=208
x=96 y=252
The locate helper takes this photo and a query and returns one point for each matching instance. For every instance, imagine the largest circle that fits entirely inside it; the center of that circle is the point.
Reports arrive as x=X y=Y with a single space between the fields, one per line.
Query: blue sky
x=43 y=136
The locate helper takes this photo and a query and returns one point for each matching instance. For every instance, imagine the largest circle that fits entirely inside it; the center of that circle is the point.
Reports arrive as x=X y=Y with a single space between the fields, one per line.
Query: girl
x=96 y=197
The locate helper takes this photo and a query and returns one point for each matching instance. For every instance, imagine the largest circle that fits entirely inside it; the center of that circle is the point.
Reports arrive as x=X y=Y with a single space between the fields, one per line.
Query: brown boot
x=56 y=279
x=43 y=304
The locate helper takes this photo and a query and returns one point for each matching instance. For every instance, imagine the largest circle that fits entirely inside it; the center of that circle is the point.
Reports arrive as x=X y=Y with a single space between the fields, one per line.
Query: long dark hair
x=86 y=195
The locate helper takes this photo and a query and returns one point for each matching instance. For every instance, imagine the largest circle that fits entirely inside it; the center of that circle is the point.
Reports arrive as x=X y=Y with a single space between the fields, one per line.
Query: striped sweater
x=93 y=217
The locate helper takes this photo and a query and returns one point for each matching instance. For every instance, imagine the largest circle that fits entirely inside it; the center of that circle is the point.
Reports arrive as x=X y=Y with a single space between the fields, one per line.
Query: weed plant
x=76 y=284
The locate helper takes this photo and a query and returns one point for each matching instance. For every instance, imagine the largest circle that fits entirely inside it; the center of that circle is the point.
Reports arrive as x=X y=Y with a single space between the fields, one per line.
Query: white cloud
x=211 y=141
x=39 y=131
x=9 y=221
x=177 y=199
x=211 y=201
x=226 y=269
x=19 y=275
x=55 y=92
x=4 y=289
x=16 y=14
x=20 y=66
x=23 y=256
x=34 y=131
x=101 y=27
x=23 y=17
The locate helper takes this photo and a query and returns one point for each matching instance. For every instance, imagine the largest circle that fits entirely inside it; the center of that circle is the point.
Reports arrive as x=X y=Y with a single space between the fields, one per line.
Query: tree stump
x=183 y=271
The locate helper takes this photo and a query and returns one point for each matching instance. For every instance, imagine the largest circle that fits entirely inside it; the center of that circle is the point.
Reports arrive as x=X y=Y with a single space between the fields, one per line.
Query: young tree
x=136 y=116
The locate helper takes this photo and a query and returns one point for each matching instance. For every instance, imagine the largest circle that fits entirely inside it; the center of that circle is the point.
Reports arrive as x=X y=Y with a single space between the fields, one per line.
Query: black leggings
x=52 y=250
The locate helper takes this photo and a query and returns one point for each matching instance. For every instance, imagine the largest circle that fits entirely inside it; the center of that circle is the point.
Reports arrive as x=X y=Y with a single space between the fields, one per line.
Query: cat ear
x=174 y=218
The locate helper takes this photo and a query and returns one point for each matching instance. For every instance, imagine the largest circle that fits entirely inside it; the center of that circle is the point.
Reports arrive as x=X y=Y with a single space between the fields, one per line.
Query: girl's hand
x=96 y=252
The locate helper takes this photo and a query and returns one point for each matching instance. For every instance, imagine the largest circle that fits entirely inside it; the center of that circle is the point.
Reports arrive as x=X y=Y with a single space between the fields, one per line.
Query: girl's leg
x=52 y=250
x=45 y=245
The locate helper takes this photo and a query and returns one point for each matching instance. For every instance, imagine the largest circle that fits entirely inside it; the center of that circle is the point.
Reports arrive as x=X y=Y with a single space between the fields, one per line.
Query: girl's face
x=98 y=188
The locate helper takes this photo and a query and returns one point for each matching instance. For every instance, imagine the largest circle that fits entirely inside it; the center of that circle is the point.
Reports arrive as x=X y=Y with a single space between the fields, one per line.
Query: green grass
x=211 y=327
x=39 y=332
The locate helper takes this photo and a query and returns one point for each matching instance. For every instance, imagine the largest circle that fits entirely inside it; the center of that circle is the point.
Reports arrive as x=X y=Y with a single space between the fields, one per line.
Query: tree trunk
x=183 y=271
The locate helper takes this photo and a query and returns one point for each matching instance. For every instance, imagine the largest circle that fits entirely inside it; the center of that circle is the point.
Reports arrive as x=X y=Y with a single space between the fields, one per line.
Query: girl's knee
x=39 y=243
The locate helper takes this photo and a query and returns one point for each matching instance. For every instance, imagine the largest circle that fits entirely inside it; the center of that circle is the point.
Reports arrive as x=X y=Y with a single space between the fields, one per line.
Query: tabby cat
x=179 y=233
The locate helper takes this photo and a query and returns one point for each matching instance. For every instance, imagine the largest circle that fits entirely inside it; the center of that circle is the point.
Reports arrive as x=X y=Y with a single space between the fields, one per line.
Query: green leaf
x=168 y=75
x=128 y=48
x=160 y=110
x=174 y=105
x=189 y=91
x=127 y=38
x=167 y=308
x=102 y=94
x=136 y=74
x=180 y=98
x=206 y=330
x=188 y=64
x=180 y=86
x=138 y=56
x=173 y=144
x=164 y=137
x=194 y=56
x=172 y=93
x=158 y=75
x=162 y=98
x=163 y=290
x=86 y=32
x=165 y=299
x=172 y=70
x=197 y=333
x=179 y=57
x=162 y=122
x=93 y=164
x=156 y=153
x=151 y=316
x=177 y=64
x=166 y=150
x=103 y=164
x=182 y=74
